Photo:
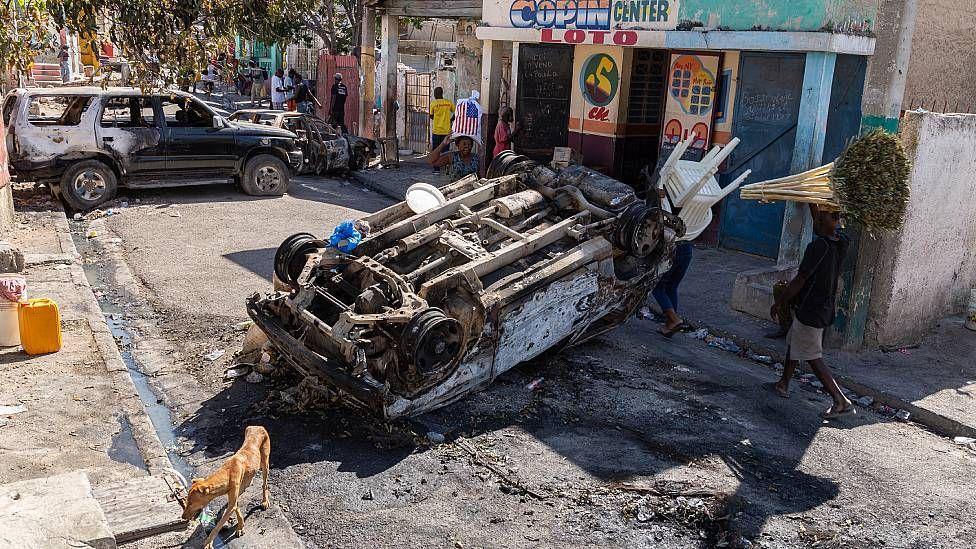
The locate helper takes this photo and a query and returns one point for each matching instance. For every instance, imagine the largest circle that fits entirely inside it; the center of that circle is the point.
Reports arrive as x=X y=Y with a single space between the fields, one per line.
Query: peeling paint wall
x=926 y=270
x=846 y=16
x=942 y=70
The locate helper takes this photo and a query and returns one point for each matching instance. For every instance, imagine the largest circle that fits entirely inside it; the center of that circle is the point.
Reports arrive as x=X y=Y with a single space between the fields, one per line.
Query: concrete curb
x=932 y=420
x=369 y=183
x=150 y=447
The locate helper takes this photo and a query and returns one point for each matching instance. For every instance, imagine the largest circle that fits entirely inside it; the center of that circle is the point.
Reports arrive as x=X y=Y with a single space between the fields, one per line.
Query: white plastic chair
x=692 y=187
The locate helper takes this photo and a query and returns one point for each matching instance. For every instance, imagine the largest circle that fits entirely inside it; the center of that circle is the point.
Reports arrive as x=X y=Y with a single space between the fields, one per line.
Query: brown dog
x=233 y=477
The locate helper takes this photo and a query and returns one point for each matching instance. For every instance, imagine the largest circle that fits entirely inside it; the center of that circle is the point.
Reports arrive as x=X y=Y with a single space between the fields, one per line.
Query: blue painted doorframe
x=765 y=119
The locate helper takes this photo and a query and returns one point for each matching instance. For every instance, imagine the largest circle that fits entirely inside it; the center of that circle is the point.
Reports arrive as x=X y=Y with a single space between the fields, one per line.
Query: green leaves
x=870 y=180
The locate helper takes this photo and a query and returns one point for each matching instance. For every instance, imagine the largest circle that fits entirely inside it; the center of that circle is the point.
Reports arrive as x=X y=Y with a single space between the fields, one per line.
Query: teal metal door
x=764 y=119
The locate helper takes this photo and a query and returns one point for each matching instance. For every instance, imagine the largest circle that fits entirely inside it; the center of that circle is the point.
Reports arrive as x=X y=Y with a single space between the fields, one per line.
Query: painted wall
x=942 y=71
x=844 y=16
x=927 y=269
x=599 y=92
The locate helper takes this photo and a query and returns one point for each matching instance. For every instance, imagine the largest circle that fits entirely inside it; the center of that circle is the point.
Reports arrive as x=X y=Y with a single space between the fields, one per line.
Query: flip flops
x=849 y=411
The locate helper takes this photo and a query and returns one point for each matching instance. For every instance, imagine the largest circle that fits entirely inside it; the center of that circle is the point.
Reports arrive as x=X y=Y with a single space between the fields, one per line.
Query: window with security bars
x=647 y=87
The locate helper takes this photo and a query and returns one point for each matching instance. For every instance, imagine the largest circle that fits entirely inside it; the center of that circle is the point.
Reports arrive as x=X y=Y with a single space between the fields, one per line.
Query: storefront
x=617 y=81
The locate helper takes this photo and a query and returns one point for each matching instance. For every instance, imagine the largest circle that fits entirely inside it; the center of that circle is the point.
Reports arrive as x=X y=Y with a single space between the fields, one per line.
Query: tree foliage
x=161 y=39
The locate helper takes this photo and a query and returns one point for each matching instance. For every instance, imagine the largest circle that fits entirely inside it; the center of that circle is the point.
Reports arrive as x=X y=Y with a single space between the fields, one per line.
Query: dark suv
x=86 y=142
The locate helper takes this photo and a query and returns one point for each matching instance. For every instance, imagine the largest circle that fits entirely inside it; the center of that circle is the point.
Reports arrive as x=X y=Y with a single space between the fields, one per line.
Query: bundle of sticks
x=868 y=183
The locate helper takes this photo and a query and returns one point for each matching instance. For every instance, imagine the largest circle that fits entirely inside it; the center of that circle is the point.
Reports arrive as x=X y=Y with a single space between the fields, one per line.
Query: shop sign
x=691 y=97
x=599 y=81
x=584 y=14
x=576 y=36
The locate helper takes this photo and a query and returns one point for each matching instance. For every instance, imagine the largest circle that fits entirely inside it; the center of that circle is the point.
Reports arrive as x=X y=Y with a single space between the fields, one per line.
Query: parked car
x=86 y=142
x=326 y=148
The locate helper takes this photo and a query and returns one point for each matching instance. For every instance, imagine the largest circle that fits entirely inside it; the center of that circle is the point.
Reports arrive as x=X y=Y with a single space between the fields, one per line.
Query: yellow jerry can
x=40 y=327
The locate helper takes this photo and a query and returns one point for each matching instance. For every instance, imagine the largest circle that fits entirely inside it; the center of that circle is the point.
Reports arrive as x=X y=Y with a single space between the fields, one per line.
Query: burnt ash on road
x=631 y=440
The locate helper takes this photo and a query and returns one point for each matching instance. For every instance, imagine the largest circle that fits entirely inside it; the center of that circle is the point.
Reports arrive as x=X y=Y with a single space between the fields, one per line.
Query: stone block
x=752 y=292
x=11 y=259
x=53 y=513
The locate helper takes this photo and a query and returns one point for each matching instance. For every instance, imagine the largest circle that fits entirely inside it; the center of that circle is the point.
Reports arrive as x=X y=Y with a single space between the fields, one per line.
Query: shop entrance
x=645 y=110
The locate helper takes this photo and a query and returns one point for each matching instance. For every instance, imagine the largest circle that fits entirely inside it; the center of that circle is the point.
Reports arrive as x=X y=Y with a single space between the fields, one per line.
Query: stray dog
x=232 y=479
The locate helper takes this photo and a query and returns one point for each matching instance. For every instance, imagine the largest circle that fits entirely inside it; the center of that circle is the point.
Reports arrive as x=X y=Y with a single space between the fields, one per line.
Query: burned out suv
x=86 y=142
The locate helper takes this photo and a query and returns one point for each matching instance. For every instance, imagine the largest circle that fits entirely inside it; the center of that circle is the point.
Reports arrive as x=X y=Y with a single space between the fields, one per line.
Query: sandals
x=849 y=411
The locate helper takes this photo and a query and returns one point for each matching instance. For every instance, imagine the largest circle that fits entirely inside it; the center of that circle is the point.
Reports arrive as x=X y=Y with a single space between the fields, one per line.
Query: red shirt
x=503 y=138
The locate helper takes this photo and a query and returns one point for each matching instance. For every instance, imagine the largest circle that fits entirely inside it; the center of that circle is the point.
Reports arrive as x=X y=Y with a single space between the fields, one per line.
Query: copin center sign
x=583 y=14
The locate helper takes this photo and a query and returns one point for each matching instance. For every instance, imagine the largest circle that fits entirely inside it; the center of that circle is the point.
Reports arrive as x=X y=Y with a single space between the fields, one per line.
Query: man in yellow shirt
x=442 y=113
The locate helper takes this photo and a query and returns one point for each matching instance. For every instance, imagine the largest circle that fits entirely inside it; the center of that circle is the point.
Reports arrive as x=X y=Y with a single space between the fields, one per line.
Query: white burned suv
x=86 y=142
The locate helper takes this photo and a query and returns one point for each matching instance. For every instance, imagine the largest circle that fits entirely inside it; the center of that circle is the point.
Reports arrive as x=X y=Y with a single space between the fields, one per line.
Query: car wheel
x=88 y=184
x=265 y=175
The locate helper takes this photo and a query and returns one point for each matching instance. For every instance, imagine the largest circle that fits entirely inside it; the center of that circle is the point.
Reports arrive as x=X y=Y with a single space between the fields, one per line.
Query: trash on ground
x=765 y=359
x=700 y=333
x=644 y=313
x=92 y=233
x=76 y=217
x=242 y=326
x=865 y=401
x=214 y=355
x=903 y=415
x=13 y=288
x=11 y=410
x=725 y=344
x=175 y=213
x=237 y=371
x=435 y=437
x=964 y=440
x=535 y=384
x=254 y=377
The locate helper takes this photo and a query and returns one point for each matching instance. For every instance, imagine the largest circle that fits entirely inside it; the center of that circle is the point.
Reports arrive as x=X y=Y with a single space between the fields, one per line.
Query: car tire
x=265 y=175
x=87 y=184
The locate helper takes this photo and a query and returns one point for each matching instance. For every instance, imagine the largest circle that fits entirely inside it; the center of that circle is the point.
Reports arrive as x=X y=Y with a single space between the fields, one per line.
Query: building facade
x=622 y=81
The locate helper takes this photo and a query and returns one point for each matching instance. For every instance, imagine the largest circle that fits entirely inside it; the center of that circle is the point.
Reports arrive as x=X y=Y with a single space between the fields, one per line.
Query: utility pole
x=367 y=64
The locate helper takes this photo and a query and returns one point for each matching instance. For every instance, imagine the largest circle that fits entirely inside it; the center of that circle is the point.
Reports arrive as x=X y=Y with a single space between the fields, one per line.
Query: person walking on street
x=505 y=131
x=459 y=163
x=64 y=60
x=812 y=293
x=278 y=90
x=442 y=114
x=257 y=84
x=337 y=110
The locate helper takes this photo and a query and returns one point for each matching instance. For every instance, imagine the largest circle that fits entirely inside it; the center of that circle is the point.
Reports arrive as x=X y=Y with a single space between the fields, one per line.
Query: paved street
x=631 y=440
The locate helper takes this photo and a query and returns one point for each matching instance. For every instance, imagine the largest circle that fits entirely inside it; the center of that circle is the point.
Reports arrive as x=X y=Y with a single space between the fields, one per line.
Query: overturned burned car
x=432 y=306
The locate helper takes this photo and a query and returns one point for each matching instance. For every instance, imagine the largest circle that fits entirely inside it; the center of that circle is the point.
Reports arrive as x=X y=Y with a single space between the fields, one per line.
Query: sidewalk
x=82 y=411
x=393 y=182
x=936 y=382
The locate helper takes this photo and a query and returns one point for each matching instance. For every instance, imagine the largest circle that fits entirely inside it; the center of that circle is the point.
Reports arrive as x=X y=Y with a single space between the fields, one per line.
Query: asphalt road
x=632 y=440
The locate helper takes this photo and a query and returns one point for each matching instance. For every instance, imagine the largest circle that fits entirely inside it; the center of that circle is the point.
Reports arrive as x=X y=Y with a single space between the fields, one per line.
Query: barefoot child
x=812 y=293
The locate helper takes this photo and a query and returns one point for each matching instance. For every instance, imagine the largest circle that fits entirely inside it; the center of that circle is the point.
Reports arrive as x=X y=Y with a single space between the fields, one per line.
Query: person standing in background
x=442 y=114
x=257 y=84
x=64 y=60
x=505 y=131
x=291 y=83
x=278 y=90
x=303 y=96
x=337 y=109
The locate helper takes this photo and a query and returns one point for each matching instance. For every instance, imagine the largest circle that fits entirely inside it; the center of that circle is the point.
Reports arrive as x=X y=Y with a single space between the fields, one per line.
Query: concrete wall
x=943 y=63
x=845 y=16
x=927 y=268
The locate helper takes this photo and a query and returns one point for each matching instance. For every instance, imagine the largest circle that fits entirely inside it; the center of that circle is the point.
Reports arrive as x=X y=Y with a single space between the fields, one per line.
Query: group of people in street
x=291 y=92
x=463 y=160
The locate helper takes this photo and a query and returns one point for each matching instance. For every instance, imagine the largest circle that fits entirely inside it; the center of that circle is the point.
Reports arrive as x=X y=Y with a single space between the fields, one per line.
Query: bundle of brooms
x=868 y=183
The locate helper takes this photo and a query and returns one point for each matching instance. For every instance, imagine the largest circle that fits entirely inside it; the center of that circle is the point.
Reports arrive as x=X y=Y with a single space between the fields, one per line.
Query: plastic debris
x=254 y=377
x=435 y=437
x=92 y=233
x=13 y=288
x=865 y=401
x=644 y=313
x=964 y=440
x=76 y=217
x=725 y=344
x=214 y=355
x=237 y=371
x=11 y=410
x=764 y=359
x=242 y=326
x=903 y=415
x=345 y=237
x=207 y=517
x=700 y=333
x=535 y=384
x=175 y=213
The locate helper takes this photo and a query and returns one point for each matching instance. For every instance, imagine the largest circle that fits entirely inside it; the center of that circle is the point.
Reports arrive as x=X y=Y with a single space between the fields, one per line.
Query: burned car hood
x=250 y=128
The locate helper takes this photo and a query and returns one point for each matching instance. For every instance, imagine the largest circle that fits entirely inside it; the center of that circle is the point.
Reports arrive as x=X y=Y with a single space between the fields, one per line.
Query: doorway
x=645 y=111
x=418 y=111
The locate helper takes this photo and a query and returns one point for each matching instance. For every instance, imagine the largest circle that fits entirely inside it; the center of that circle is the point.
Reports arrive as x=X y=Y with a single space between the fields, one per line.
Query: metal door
x=418 y=111
x=128 y=128
x=765 y=115
x=348 y=67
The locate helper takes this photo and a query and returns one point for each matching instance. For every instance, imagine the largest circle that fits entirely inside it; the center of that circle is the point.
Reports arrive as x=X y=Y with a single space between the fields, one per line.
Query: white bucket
x=9 y=323
x=971 y=313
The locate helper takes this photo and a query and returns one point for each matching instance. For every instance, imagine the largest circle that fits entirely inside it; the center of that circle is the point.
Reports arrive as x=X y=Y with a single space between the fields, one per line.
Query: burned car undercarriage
x=430 y=307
